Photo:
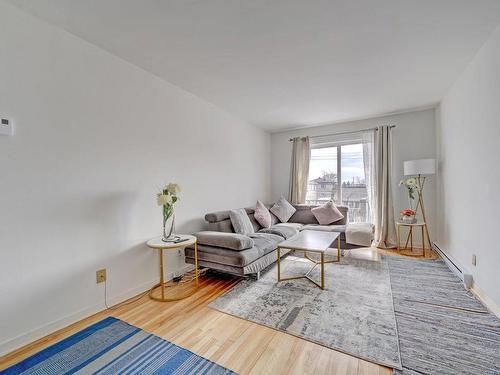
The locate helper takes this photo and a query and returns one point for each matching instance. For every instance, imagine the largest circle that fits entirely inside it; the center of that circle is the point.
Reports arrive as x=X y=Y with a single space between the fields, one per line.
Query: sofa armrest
x=233 y=241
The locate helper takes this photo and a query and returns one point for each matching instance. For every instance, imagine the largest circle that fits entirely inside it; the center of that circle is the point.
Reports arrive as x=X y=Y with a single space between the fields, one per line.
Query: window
x=336 y=172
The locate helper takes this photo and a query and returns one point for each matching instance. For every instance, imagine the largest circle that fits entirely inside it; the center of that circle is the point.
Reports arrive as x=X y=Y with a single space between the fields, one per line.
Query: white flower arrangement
x=412 y=187
x=166 y=198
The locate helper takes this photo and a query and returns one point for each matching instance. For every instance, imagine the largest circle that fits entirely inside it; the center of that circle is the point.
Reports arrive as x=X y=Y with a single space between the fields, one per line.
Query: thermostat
x=6 y=126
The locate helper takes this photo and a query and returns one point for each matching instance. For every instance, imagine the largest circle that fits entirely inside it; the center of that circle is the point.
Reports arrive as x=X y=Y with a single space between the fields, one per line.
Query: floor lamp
x=420 y=169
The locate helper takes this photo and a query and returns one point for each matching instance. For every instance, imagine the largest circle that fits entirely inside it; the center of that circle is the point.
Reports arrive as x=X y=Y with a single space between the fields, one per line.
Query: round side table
x=409 y=238
x=158 y=244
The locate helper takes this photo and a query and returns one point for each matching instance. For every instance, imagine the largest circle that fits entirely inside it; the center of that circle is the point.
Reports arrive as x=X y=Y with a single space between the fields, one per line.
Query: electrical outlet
x=473 y=259
x=100 y=276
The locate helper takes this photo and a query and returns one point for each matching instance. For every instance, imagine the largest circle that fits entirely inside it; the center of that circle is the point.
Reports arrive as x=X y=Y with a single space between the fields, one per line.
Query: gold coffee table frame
x=327 y=261
x=158 y=244
x=310 y=246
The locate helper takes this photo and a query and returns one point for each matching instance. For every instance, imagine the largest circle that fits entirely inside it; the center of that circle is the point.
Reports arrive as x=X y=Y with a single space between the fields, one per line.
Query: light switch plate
x=6 y=126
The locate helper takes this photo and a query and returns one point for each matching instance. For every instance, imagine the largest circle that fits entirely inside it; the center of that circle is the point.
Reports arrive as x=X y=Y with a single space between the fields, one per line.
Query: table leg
x=411 y=239
x=399 y=237
x=423 y=240
x=322 y=270
x=162 y=276
x=338 y=248
x=279 y=271
x=196 y=263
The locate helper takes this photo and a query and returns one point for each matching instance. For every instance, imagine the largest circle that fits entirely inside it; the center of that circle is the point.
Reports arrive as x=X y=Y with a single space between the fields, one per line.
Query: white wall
x=414 y=138
x=469 y=171
x=94 y=138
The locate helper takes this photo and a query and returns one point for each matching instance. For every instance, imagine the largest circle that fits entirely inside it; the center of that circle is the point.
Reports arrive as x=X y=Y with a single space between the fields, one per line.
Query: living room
x=249 y=187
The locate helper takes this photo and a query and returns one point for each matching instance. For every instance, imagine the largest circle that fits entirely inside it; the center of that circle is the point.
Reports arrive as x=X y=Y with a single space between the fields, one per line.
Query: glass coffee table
x=314 y=242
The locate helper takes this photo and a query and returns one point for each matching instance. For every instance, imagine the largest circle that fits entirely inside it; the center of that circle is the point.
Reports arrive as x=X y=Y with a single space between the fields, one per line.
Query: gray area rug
x=354 y=314
x=442 y=328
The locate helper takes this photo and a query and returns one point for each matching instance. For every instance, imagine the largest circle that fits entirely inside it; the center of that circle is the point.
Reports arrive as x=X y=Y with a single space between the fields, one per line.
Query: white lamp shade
x=422 y=167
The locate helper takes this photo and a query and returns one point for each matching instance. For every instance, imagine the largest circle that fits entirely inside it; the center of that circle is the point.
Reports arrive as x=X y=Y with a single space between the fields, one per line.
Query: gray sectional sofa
x=221 y=249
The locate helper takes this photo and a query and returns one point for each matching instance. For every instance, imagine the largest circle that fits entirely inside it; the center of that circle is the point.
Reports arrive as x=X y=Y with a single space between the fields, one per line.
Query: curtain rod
x=346 y=132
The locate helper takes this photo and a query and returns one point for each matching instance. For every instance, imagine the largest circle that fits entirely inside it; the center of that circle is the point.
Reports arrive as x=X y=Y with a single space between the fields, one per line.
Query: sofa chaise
x=221 y=249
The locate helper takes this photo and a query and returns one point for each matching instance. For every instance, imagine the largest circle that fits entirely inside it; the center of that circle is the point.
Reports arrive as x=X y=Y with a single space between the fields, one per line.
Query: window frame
x=338 y=145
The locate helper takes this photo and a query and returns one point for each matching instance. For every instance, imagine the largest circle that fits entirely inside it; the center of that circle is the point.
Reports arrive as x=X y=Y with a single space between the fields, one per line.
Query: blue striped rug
x=112 y=346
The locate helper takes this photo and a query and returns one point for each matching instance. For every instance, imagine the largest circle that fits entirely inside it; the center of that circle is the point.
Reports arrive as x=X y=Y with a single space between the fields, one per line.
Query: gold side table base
x=171 y=299
x=161 y=247
x=409 y=238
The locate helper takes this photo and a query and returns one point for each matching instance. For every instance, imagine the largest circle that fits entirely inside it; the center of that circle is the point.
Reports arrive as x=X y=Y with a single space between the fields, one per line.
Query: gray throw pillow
x=283 y=210
x=240 y=221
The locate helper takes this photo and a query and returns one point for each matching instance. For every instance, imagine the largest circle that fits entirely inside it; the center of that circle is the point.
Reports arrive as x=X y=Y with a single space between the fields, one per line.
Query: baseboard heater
x=454 y=267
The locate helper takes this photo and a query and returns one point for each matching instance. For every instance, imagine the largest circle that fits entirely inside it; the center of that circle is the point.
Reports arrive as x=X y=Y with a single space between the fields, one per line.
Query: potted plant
x=408 y=216
x=166 y=198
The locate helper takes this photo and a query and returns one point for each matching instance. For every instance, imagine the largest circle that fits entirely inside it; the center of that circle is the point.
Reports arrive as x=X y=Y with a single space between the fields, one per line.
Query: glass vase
x=168 y=229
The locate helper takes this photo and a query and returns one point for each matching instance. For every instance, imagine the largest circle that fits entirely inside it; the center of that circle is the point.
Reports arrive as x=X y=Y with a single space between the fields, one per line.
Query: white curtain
x=368 y=139
x=299 y=170
x=385 y=230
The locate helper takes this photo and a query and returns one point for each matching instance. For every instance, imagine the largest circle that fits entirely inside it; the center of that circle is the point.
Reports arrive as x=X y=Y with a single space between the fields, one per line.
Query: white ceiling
x=282 y=64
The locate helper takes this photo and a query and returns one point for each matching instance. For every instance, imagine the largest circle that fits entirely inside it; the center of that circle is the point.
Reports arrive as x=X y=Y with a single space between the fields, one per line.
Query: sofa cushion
x=325 y=228
x=232 y=241
x=266 y=242
x=327 y=213
x=283 y=210
x=282 y=230
x=262 y=215
x=296 y=226
x=263 y=244
x=240 y=221
x=213 y=217
x=360 y=234
x=305 y=216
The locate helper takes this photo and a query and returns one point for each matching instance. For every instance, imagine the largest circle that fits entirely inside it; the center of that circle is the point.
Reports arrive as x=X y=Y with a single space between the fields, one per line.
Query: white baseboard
x=453 y=264
x=37 y=333
x=461 y=271
x=487 y=301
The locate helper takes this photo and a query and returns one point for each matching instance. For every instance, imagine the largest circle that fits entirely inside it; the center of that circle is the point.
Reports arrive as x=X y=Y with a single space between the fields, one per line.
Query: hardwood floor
x=242 y=346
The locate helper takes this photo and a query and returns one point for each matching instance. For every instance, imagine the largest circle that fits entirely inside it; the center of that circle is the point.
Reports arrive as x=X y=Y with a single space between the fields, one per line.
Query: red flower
x=408 y=212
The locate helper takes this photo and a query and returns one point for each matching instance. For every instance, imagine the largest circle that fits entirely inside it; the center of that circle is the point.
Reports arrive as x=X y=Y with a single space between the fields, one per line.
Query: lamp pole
x=420 y=203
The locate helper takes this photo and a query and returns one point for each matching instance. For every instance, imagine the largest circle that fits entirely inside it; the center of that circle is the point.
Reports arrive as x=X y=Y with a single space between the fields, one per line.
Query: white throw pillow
x=283 y=210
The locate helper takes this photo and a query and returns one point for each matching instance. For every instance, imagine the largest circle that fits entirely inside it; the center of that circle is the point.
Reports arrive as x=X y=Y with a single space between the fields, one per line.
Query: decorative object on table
x=166 y=198
x=114 y=346
x=160 y=245
x=408 y=216
x=420 y=169
x=412 y=188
